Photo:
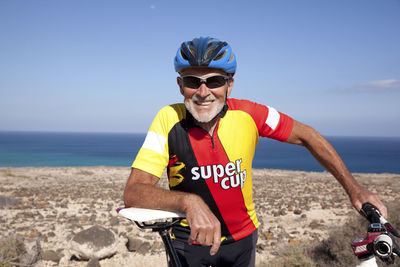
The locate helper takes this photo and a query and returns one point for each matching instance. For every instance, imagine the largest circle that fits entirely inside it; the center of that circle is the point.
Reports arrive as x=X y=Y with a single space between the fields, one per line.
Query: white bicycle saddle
x=144 y=215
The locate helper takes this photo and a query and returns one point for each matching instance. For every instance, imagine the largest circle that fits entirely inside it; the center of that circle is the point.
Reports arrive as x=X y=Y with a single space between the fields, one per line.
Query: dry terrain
x=55 y=203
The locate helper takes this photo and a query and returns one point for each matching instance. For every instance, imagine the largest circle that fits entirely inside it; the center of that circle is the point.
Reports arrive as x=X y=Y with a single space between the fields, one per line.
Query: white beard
x=203 y=117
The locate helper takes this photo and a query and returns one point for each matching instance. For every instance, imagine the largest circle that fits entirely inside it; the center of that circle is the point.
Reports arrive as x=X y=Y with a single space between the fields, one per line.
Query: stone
x=297 y=211
x=50 y=255
x=314 y=224
x=93 y=263
x=134 y=243
x=138 y=245
x=114 y=221
x=95 y=242
x=144 y=248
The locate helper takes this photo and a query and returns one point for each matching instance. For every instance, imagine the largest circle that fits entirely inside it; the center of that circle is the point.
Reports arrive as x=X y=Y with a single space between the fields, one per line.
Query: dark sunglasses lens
x=216 y=81
x=191 y=82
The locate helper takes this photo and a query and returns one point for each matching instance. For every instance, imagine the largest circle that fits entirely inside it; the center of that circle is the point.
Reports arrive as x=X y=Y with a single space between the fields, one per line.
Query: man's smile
x=203 y=103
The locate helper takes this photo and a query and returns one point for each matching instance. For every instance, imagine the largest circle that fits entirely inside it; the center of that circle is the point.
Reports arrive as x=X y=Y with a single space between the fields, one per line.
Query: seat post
x=170 y=250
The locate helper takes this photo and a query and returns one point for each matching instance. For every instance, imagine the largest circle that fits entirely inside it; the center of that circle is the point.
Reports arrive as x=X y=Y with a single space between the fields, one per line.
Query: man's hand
x=361 y=195
x=141 y=192
x=205 y=229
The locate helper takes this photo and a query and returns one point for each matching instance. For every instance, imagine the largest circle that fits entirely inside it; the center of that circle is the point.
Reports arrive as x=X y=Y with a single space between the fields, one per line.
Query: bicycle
x=146 y=219
x=380 y=240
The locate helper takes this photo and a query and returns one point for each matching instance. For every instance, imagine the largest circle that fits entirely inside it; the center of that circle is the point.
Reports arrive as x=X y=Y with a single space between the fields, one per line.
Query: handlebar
x=372 y=214
x=380 y=240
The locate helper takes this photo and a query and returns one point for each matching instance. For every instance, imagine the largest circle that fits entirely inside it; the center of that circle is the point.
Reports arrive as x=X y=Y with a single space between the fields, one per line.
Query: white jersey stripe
x=273 y=118
x=155 y=142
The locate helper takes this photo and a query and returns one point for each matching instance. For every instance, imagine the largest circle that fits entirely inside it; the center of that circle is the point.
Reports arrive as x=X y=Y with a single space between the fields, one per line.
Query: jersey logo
x=174 y=168
x=231 y=174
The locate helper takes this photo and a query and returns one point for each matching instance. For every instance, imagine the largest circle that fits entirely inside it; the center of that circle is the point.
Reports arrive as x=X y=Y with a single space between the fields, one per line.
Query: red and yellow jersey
x=217 y=167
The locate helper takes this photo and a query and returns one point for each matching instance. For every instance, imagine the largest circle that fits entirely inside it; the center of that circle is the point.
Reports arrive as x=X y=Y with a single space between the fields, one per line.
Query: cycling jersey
x=216 y=167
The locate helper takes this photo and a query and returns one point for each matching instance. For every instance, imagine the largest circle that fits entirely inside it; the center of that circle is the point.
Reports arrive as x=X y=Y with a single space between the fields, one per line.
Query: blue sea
x=19 y=149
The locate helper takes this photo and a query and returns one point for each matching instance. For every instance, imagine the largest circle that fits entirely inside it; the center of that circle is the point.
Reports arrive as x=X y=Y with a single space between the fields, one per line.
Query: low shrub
x=335 y=251
x=11 y=248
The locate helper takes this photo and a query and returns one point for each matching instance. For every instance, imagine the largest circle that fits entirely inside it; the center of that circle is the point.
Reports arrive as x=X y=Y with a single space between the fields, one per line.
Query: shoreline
x=57 y=202
x=253 y=169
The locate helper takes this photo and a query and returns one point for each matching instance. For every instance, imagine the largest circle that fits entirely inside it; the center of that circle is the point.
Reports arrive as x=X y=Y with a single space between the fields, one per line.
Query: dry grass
x=11 y=248
x=291 y=255
x=335 y=251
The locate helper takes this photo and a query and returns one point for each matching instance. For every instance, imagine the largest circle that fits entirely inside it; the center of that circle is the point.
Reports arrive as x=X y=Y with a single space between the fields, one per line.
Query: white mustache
x=199 y=99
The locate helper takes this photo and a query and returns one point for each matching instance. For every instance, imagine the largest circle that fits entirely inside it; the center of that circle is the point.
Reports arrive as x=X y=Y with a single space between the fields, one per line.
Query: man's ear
x=230 y=85
x=179 y=82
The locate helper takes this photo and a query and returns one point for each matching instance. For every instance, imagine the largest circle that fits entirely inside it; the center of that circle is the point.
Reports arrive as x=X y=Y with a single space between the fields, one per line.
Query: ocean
x=39 y=149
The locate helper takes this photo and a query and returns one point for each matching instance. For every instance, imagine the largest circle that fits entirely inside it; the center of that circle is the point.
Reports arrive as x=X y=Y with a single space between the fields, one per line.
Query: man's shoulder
x=173 y=112
x=174 y=108
x=241 y=104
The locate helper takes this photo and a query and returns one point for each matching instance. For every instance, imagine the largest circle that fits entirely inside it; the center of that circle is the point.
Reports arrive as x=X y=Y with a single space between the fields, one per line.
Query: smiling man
x=207 y=145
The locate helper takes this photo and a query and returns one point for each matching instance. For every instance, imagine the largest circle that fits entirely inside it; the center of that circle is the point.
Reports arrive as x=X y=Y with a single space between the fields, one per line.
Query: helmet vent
x=183 y=55
x=220 y=55
x=231 y=58
x=193 y=51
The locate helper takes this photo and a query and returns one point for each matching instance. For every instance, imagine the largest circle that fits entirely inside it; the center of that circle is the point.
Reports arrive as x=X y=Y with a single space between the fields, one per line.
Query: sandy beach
x=57 y=202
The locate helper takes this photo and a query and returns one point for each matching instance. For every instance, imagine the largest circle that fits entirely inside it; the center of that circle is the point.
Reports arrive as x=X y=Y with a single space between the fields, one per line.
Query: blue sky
x=107 y=66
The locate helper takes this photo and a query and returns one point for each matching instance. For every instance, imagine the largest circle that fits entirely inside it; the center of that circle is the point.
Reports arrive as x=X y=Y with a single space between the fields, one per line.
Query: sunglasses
x=212 y=82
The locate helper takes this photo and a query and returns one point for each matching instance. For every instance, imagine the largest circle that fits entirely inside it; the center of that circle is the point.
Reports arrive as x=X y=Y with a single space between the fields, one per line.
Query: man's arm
x=141 y=192
x=326 y=155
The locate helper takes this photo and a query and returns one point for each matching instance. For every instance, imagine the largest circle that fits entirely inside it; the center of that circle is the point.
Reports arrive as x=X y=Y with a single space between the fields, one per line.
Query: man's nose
x=203 y=90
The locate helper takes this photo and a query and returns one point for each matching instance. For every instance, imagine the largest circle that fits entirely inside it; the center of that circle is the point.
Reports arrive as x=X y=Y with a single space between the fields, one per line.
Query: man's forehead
x=201 y=71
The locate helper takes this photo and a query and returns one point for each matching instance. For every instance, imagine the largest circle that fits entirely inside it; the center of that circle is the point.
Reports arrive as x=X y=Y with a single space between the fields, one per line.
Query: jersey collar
x=190 y=120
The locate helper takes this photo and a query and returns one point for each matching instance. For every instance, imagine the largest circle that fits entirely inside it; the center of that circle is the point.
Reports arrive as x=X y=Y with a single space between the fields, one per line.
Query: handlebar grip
x=370 y=212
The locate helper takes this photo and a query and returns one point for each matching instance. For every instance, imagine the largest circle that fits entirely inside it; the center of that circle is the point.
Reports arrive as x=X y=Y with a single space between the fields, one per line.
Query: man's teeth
x=204 y=103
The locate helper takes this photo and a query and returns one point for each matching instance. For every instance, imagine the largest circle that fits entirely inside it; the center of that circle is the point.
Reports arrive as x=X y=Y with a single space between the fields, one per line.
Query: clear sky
x=107 y=66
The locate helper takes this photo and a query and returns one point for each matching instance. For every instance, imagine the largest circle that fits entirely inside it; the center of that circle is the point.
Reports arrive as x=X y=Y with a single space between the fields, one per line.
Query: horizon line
x=117 y=132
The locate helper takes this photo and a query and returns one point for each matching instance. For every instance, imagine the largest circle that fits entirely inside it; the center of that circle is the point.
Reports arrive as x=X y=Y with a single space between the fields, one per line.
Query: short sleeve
x=270 y=122
x=153 y=156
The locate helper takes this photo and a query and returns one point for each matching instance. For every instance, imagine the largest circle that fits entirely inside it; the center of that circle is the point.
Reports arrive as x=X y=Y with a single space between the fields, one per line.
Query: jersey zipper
x=212 y=141
x=213 y=134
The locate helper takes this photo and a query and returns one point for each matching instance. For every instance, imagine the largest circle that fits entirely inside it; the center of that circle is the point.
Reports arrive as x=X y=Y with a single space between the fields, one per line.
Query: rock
x=51 y=234
x=50 y=255
x=314 y=224
x=114 y=221
x=93 y=263
x=9 y=201
x=134 y=243
x=144 y=248
x=260 y=247
x=138 y=245
x=95 y=242
x=68 y=235
x=297 y=211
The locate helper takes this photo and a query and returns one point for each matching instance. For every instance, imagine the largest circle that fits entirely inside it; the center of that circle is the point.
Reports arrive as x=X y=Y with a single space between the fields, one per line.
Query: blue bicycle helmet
x=205 y=52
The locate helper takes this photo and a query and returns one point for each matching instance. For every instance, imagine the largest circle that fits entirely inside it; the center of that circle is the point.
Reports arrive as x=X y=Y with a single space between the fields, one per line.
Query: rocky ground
x=52 y=205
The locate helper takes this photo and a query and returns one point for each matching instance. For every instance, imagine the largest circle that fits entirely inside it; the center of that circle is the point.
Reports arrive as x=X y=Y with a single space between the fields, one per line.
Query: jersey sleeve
x=153 y=156
x=270 y=122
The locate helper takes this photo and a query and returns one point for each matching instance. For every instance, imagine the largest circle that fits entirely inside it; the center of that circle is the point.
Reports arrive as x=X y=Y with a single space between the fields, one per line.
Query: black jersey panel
x=182 y=160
